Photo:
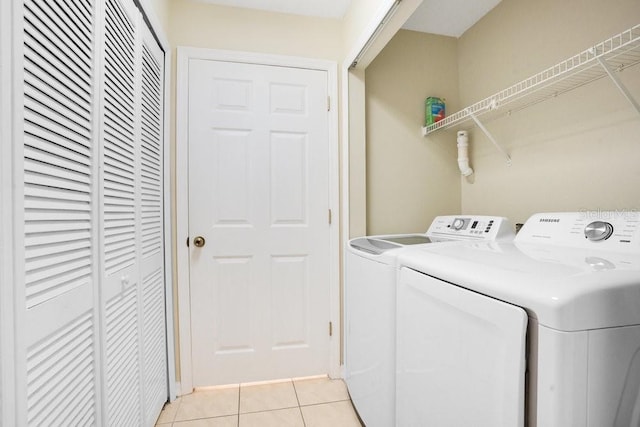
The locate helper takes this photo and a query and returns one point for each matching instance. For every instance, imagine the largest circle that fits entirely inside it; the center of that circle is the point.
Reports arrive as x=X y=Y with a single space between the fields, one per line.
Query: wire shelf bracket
x=619 y=84
x=491 y=138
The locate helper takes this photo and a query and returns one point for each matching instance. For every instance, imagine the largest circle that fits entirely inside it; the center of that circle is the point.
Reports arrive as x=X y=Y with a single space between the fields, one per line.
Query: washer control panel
x=608 y=230
x=474 y=227
x=598 y=230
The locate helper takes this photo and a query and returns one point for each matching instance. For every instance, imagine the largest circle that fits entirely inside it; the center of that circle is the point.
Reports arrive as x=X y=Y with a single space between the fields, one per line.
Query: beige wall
x=359 y=25
x=578 y=151
x=410 y=178
x=358 y=18
x=198 y=24
x=161 y=9
x=357 y=155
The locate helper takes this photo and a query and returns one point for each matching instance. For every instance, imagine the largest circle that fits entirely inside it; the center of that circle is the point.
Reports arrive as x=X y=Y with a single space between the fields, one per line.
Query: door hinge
x=329 y=216
x=330 y=329
x=328 y=103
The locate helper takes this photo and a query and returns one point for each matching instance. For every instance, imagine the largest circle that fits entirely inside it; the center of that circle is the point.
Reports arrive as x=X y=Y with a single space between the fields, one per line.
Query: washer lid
x=372 y=245
x=408 y=240
x=568 y=289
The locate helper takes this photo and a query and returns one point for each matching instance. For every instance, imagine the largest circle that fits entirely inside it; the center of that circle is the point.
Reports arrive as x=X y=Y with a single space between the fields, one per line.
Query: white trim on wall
x=345 y=211
x=7 y=367
x=182 y=186
x=17 y=293
x=182 y=221
x=168 y=227
x=335 y=243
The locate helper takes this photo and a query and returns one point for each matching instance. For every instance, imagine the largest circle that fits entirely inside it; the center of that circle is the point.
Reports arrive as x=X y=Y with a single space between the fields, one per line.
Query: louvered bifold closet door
x=59 y=214
x=154 y=350
x=120 y=197
x=94 y=301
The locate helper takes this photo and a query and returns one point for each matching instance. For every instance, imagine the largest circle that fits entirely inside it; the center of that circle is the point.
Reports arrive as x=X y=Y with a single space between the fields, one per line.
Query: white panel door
x=258 y=195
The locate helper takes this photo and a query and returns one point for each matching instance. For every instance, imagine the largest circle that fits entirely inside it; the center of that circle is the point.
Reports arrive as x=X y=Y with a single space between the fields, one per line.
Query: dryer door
x=461 y=356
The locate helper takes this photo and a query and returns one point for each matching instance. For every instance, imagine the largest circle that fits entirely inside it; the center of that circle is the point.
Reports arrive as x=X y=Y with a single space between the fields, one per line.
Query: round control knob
x=598 y=230
x=457 y=224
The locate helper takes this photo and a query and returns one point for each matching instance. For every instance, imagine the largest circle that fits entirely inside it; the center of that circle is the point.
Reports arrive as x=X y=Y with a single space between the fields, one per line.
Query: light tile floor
x=314 y=402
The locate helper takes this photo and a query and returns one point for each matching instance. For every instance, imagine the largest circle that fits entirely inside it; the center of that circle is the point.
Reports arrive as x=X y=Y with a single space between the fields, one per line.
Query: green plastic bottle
x=434 y=110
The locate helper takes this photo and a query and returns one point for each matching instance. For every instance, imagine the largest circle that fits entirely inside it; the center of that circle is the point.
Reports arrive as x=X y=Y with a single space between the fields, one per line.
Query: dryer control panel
x=606 y=230
x=470 y=227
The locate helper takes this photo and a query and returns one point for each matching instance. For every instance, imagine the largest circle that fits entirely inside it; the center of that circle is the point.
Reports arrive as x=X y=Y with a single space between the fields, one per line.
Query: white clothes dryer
x=543 y=331
x=370 y=307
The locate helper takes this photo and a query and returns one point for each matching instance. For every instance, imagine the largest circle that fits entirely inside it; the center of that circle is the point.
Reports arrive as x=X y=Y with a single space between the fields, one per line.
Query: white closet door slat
x=57 y=154
x=61 y=377
x=73 y=105
x=43 y=140
x=154 y=379
x=123 y=388
x=54 y=25
x=120 y=193
x=119 y=163
x=151 y=179
x=58 y=94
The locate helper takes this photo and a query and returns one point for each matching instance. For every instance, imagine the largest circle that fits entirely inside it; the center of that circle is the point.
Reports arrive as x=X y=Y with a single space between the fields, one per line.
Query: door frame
x=184 y=55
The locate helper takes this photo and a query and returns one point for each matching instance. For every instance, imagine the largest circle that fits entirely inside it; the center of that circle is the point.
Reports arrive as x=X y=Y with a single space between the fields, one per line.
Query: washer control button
x=458 y=224
x=598 y=230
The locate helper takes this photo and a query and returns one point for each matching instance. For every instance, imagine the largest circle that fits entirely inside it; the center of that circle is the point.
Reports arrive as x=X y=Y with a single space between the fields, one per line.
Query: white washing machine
x=370 y=307
x=543 y=331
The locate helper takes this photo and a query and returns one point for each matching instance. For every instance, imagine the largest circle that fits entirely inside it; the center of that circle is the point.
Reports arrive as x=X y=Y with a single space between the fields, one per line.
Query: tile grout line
x=173 y=421
x=329 y=402
x=239 y=391
x=295 y=390
x=267 y=410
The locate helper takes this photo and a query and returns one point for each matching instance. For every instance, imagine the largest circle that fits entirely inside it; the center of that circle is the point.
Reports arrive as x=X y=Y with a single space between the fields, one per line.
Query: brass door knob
x=199 y=242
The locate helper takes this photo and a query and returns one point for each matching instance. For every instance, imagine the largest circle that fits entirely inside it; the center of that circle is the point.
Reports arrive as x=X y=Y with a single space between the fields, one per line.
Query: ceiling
x=445 y=17
x=448 y=17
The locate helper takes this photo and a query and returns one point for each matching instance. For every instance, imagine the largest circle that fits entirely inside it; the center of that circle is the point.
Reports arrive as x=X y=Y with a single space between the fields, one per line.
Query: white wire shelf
x=606 y=58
